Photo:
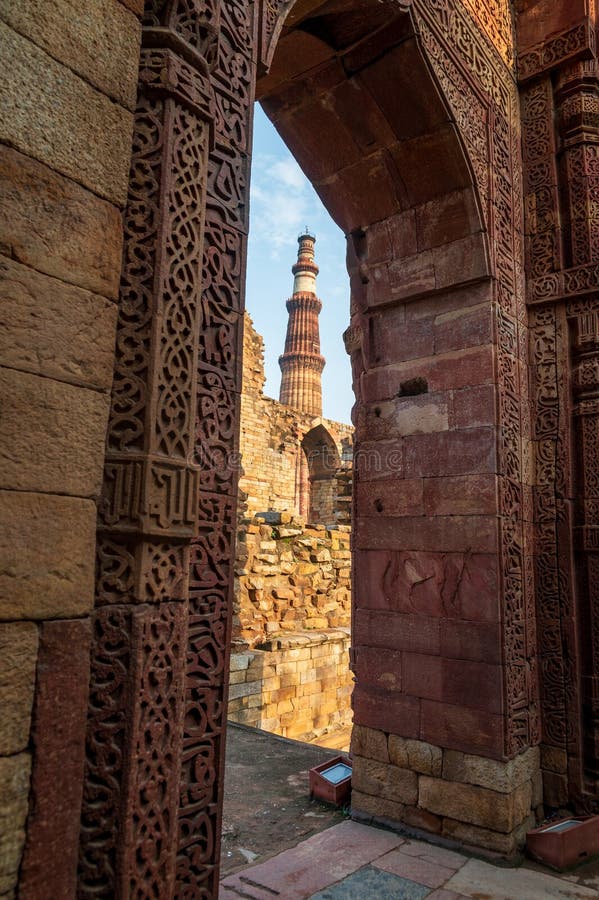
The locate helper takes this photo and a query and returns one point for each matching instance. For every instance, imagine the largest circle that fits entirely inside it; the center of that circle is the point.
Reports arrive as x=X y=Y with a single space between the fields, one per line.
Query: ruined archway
x=393 y=127
x=320 y=462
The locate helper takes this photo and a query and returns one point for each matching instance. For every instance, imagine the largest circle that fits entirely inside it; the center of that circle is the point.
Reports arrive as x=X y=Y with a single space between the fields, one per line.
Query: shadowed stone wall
x=66 y=118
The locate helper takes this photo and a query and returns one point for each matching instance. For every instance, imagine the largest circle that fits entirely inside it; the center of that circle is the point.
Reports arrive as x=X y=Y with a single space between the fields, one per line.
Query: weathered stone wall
x=291 y=627
x=462 y=797
x=289 y=577
x=66 y=115
x=271 y=441
x=296 y=685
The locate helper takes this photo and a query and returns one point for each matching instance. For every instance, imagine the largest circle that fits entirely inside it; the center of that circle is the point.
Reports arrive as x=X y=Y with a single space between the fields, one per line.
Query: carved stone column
x=219 y=380
x=577 y=96
x=584 y=319
x=148 y=511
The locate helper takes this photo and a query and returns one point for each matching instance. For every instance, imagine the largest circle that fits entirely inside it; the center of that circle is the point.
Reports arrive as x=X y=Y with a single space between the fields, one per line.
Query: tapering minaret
x=302 y=363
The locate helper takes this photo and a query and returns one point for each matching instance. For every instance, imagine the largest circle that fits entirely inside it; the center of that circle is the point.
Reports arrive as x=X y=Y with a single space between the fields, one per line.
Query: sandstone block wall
x=296 y=685
x=291 y=627
x=470 y=799
x=66 y=117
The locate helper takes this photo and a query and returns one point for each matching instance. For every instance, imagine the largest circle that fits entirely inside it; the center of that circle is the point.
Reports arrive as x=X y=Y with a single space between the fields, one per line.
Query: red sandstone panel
x=395 y=631
x=391 y=497
x=474 y=685
x=402 y=234
x=459 y=369
x=402 y=86
x=387 y=711
x=425 y=182
x=320 y=142
x=420 y=414
x=459 y=585
x=461 y=261
x=367 y=191
x=378 y=667
x=538 y=19
x=460 y=495
x=296 y=52
x=471 y=640
x=474 y=406
x=456 y=299
x=393 y=340
x=461 y=452
x=447 y=218
x=457 y=728
x=50 y=860
x=470 y=327
x=408 y=278
x=354 y=106
x=472 y=534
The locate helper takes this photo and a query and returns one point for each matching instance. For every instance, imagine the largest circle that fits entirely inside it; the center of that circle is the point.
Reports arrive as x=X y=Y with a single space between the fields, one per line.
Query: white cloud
x=280 y=201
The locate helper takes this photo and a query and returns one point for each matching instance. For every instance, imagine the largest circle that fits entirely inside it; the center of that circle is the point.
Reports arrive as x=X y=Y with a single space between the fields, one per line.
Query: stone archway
x=319 y=465
x=425 y=178
x=419 y=232
x=412 y=144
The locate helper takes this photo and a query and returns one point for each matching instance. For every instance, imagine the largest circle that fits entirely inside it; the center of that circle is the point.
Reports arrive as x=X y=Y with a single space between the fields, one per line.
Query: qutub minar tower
x=302 y=362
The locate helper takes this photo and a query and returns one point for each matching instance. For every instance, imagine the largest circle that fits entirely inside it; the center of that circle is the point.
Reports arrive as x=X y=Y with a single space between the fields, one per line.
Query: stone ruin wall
x=291 y=628
x=289 y=670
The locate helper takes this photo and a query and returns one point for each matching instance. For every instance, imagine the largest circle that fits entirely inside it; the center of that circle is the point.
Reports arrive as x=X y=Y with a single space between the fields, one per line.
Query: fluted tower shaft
x=301 y=363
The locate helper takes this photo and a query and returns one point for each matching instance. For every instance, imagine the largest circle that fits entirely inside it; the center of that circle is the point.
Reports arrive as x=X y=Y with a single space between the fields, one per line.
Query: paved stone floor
x=278 y=843
x=350 y=861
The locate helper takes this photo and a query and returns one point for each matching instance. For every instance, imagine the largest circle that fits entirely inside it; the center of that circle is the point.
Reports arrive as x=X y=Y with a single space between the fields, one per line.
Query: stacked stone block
x=295 y=685
x=459 y=796
x=290 y=577
x=291 y=623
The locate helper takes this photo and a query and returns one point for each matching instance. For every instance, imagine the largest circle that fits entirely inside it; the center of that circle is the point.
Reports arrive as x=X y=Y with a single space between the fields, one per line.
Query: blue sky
x=282 y=204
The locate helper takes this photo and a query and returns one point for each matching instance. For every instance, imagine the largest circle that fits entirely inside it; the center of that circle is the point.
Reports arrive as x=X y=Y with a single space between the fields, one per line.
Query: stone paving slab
x=416 y=868
x=316 y=863
x=477 y=879
x=372 y=884
x=351 y=861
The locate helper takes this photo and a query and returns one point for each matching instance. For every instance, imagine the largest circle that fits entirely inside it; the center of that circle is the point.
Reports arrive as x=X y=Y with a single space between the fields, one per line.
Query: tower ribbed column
x=301 y=363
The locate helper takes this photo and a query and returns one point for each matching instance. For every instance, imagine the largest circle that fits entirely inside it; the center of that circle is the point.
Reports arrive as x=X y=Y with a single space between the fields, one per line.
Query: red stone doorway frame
x=159 y=663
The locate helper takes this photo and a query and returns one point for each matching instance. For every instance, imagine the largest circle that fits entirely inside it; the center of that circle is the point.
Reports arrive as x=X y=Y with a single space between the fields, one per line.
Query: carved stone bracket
x=578 y=41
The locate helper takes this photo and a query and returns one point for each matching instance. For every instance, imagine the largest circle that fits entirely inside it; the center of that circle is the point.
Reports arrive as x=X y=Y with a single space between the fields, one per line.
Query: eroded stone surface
x=49 y=866
x=14 y=790
x=58 y=227
x=416 y=755
x=46 y=570
x=384 y=780
x=62 y=121
x=54 y=329
x=490 y=773
x=476 y=805
x=98 y=40
x=370 y=743
x=18 y=657
x=53 y=435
